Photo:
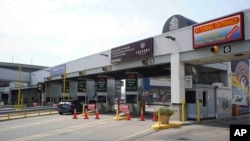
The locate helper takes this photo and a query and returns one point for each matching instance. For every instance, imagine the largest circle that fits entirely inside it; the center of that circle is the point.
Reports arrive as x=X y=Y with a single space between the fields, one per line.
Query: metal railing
x=11 y=113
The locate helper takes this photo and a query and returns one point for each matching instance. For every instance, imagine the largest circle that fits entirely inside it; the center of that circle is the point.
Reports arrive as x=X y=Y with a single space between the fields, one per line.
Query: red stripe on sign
x=91 y=106
x=229 y=35
x=124 y=108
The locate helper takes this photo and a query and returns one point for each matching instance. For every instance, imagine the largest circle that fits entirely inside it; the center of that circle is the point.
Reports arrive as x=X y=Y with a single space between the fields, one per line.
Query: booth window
x=190 y=96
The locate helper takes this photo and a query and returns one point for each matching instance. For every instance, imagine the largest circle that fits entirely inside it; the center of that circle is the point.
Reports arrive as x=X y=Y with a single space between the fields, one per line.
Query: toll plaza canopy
x=203 y=50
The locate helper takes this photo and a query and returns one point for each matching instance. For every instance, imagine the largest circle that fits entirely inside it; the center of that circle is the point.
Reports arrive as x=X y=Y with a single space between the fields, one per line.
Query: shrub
x=165 y=111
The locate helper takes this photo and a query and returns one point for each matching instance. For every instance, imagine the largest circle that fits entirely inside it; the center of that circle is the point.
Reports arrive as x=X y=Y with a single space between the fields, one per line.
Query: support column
x=177 y=84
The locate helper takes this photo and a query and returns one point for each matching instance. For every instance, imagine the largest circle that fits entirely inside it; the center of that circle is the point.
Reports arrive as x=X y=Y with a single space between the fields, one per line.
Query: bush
x=165 y=111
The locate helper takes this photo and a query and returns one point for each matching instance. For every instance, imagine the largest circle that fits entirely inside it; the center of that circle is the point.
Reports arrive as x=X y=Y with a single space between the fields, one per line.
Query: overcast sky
x=52 y=32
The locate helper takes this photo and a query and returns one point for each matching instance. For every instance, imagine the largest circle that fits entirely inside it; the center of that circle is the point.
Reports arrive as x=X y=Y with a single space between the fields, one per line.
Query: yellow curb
x=89 y=114
x=158 y=126
x=119 y=118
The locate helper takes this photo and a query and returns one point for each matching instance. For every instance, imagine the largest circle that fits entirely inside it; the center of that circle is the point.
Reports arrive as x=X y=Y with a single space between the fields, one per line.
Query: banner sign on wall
x=139 y=49
x=58 y=70
x=223 y=30
x=240 y=82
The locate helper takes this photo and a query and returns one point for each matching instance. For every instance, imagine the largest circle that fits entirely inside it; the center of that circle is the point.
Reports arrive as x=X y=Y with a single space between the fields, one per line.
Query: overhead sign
x=223 y=30
x=58 y=70
x=139 y=49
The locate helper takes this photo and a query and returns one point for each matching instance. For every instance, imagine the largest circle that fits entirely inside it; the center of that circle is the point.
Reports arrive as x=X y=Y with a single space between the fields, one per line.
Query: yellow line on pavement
x=34 y=123
x=138 y=133
x=60 y=131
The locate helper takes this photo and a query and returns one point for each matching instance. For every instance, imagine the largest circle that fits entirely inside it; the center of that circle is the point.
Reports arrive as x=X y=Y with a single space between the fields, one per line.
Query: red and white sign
x=124 y=108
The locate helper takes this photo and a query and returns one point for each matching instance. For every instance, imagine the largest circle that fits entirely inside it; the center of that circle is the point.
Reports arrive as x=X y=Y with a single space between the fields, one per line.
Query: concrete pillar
x=177 y=84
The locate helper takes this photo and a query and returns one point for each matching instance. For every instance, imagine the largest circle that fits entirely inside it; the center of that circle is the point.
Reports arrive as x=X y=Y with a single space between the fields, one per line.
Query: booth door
x=203 y=104
x=190 y=98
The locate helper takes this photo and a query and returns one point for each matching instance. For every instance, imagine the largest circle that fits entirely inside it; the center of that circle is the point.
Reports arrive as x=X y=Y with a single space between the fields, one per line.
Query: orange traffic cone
x=154 y=117
x=74 y=117
x=86 y=115
x=128 y=116
x=97 y=114
x=142 y=116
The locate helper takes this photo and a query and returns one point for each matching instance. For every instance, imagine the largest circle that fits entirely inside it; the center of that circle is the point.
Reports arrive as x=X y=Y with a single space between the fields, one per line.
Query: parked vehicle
x=68 y=106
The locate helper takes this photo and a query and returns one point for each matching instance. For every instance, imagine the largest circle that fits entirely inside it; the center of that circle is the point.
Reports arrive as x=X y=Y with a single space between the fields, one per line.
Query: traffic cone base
x=86 y=115
x=128 y=116
x=97 y=114
x=142 y=117
x=154 y=117
x=74 y=116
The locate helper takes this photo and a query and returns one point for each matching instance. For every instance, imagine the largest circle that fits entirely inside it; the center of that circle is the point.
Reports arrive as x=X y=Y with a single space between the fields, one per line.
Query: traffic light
x=145 y=62
x=214 y=49
x=41 y=87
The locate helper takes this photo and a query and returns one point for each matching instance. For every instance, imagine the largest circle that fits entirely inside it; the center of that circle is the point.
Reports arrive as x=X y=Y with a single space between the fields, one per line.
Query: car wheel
x=60 y=113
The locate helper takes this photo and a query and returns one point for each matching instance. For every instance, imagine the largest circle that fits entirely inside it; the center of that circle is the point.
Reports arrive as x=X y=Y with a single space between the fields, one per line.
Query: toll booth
x=105 y=91
x=85 y=90
x=214 y=102
x=133 y=91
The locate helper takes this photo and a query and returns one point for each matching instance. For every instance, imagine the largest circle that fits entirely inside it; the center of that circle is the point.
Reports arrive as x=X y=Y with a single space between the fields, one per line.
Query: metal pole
x=159 y=118
x=198 y=111
x=64 y=81
x=183 y=110
x=19 y=87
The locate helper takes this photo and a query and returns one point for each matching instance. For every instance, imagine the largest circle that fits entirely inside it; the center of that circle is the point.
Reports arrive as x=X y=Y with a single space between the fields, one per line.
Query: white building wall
x=39 y=76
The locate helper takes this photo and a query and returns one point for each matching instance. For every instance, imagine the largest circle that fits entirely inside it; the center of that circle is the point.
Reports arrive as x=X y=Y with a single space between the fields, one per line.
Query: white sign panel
x=188 y=81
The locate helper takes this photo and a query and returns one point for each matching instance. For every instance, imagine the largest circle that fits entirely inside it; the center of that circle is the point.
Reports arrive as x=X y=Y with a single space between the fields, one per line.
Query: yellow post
x=159 y=117
x=22 y=102
x=183 y=110
x=117 y=108
x=19 y=88
x=25 y=115
x=64 y=82
x=198 y=111
x=8 y=116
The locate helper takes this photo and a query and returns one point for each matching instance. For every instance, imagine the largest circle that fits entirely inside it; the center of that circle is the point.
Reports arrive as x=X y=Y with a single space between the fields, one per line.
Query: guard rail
x=11 y=113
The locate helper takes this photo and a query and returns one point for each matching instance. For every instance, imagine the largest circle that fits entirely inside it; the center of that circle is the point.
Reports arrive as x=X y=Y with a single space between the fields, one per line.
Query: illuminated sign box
x=102 y=84
x=57 y=70
x=139 y=49
x=223 y=30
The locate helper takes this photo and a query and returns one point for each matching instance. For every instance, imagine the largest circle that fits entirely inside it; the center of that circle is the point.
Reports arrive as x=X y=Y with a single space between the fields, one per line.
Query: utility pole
x=19 y=88
x=64 y=82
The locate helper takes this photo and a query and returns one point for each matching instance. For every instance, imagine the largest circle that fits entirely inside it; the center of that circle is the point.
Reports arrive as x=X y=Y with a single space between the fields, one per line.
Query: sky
x=53 y=32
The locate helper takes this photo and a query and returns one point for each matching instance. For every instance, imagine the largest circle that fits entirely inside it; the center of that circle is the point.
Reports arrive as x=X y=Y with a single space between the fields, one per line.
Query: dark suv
x=68 y=106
